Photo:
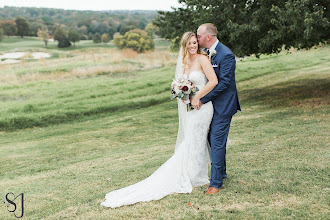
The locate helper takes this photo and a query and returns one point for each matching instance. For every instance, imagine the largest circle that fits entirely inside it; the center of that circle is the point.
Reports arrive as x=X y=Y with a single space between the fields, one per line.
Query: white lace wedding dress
x=188 y=167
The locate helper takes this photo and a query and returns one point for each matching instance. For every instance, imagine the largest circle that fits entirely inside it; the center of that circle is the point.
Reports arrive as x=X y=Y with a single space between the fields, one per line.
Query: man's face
x=201 y=37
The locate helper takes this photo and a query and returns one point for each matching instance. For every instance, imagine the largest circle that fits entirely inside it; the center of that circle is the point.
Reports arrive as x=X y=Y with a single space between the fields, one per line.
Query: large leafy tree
x=136 y=39
x=61 y=35
x=23 y=27
x=252 y=26
x=9 y=27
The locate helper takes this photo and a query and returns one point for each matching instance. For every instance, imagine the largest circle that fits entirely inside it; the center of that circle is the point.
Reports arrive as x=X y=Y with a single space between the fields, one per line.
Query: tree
x=43 y=34
x=83 y=30
x=23 y=27
x=136 y=39
x=36 y=25
x=9 y=27
x=90 y=36
x=97 y=38
x=251 y=26
x=1 y=34
x=74 y=36
x=111 y=32
x=125 y=29
x=151 y=30
x=83 y=37
x=62 y=37
x=105 y=38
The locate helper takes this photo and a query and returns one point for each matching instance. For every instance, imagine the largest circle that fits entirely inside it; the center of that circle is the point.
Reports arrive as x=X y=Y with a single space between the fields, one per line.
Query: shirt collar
x=213 y=47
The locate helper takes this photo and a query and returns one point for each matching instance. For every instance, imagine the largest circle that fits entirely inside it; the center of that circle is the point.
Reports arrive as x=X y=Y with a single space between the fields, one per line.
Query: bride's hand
x=196 y=103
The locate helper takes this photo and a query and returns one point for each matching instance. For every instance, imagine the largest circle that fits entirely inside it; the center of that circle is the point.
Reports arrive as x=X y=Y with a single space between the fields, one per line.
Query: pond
x=11 y=57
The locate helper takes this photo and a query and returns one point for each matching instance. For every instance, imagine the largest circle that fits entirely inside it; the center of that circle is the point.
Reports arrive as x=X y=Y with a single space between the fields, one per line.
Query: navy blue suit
x=225 y=103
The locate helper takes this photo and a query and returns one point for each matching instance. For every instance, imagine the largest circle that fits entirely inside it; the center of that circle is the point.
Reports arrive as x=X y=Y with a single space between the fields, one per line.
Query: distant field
x=95 y=119
x=30 y=43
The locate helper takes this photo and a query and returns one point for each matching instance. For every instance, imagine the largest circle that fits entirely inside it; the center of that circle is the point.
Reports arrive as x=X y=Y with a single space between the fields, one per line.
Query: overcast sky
x=164 y=5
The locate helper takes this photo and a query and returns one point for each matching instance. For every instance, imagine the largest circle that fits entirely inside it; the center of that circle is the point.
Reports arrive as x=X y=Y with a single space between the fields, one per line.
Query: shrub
x=83 y=37
x=136 y=39
x=97 y=38
x=105 y=38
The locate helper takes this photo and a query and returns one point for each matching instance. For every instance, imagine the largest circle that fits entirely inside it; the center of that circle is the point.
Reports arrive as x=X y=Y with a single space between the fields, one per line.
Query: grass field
x=69 y=137
x=33 y=43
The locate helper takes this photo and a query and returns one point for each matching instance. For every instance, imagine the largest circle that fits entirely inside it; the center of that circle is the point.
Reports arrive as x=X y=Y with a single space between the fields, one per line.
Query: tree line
x=69 y=26
x=86 y=22
x=136 y=39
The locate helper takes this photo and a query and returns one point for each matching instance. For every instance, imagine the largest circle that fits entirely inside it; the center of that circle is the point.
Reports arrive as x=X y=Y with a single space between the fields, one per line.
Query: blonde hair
x=184 y=47
x=210 y=29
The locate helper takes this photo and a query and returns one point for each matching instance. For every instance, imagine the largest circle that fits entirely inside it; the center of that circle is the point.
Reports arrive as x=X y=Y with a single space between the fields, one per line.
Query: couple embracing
x=212 y=71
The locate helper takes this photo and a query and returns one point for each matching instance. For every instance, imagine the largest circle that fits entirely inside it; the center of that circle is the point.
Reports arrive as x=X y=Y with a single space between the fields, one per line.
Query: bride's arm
x=210 y=75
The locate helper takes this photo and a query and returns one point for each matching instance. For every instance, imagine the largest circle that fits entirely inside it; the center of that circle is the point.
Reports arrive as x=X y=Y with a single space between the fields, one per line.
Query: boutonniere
x=214 y=52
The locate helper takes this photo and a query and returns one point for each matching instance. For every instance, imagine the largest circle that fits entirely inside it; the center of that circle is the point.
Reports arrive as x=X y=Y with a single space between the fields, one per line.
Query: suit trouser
x=218 y=138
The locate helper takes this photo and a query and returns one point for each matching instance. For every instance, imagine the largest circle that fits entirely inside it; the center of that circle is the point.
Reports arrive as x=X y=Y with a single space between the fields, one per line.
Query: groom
x=224 y=98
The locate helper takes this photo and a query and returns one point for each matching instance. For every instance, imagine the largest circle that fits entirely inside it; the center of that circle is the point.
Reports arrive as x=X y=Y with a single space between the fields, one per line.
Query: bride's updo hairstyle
x=184 y=47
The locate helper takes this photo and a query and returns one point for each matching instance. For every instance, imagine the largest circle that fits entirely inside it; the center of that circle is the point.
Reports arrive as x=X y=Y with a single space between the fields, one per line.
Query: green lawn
x=84 y=137
x=33 y=43
x=14 y=43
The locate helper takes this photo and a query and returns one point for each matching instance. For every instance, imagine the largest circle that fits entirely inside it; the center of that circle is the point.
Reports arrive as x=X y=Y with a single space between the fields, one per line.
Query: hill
x=69 y=137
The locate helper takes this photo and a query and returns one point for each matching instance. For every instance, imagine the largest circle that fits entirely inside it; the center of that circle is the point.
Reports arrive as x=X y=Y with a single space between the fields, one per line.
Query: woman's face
x=193 y=45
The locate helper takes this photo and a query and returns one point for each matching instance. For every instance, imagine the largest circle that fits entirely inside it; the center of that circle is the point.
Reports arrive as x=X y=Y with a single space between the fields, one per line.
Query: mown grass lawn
x=87 y=136
x=18 y=43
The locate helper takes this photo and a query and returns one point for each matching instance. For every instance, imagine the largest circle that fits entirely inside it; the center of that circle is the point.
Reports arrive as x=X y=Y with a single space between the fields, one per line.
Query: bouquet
x=183 y=89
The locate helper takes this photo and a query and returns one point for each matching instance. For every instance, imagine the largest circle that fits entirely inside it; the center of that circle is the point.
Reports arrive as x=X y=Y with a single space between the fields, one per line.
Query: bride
x=188 y=167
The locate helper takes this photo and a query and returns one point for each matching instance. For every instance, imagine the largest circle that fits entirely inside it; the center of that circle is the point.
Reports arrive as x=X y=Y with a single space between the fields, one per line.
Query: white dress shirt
x=213 y=47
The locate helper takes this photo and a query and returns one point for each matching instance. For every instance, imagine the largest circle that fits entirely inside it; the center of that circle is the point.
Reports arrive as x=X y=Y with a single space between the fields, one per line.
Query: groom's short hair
x=210 y=29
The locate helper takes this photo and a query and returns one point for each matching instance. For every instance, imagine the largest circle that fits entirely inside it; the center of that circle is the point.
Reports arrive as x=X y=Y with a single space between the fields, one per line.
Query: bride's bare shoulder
x=203 y=58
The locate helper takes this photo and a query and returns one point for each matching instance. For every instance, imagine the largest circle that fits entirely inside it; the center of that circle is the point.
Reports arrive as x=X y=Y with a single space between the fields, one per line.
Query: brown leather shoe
x=212 y=190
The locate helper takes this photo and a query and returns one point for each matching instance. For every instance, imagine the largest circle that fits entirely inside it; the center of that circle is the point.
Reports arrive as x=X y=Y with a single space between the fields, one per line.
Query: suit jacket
x=224 y=96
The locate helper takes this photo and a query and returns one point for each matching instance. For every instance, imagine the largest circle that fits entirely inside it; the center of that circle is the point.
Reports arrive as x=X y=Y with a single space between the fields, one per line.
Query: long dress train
x=187 y=168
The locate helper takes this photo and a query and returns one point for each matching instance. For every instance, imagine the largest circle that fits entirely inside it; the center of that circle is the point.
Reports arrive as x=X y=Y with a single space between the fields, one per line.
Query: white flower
x=214 y=52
